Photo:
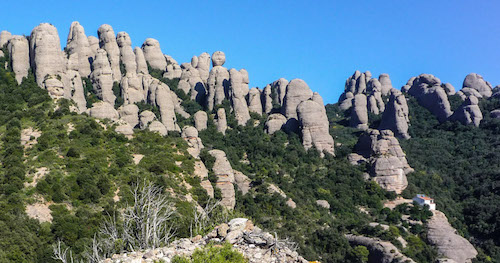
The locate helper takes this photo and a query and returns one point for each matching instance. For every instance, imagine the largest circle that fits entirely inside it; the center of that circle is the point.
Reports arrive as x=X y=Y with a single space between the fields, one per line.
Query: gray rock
x=132 y=88
x=145 y=118
x=242 y=181
x=78 y=49
x=476 y=81
x=274 y=123
x=314 y=127
x=153 y=54
x=130 y=114
x=267 y=101
x=203 y=66
x=254 y=102
x=359 y=113
x=191 y=82
x=346 y=100
x=103 y=110
x=93 y=45
x=140 y=61
x=225 y=178
x=237 y=90
x=450 y=90
x=469 y=112
x=102 y=77
x=396 y=116
x=200 y=120
x=163 y=97
x=448 y=242
x=280 y=87
x=380 y=251
x=75 y=84
x=125 y=129
x=323 y=203
x=218 y=80
x=431 y=95
x=386 y=84
x=221 y=121
x=107 y=41
x=19 y=56
x=5 y=36
x=158 y=127
x=297 y=91
x=127 y=56
x=190 y=135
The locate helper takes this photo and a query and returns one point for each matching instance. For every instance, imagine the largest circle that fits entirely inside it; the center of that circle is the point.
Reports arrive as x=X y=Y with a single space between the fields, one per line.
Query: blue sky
x=322 y=42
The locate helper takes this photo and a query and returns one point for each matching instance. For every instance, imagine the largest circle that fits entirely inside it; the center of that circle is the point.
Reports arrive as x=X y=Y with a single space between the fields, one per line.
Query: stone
x=238 y=100
x=78 y=48
x=469 y=112
x=140 y=60
x=102 y=77
x=200 y=120
x=267 y=101
x=125 y=129
x=280 y=87
x=225 y=178
x=218 y=81
x=130 y=114
x=46 y=57
x=167 y=109
x=290 y=203
x=389 y=173
x=158 y=127
x=107 y=41
x=476 y=81
x=314 y=127
x=203 y=66
x=93 y=45
x=242 y=181
x=153 y=54
x=359 y=113
x=190 y=135
x=346 y=101
x=132 y=88
x=173 y=71
x=380 y=251
x=449 y=89
x=449 y=244
x=323 y=203
x=127 y=55
x=396 y=116
x=19 y=56
x=103 y=110
x=191 y=82
x=386 y=84
x=221 y=121
x=5 y=36
x=75 y=84
x=431 y=95
x=495 y=114
x=274 y=123
x=254 y=102
x=145 y=118
x=297 y=91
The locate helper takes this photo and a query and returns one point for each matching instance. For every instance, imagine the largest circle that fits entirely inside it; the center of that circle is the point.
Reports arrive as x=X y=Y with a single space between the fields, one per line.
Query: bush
x=213 y=253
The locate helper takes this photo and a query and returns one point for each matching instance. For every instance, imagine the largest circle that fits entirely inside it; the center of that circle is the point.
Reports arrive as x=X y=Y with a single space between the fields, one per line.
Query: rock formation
x=103 y=110
x=221 y=121
x=145 y=118
x=78 y=49
x=75 y=84
x=191 y=82
x=107 y=41
x=5 y=36
x=388 y=165
x=218 y=80
x=380 y=251
x=297 y=91
x=280 y=87
x=359 y=113
x=130 y=114
x=19 y=56
x=431 y=95
x=93 y=45
x=225 y=178
x=190 y=135
x=242 y=181
x=158 y=127
x=200 y=120
x=448 y=242
x=167 y=110
x=386 y=84
x=267 y=101
x=153 y=54
x=238 y=100
x=274 y=123
x=102 y=77
x=396 y=116
x=469 y=112
x=476 y=82
x=254 y=102
x=314 y=127
x=127 y=56
x=203 y=66
x=140 y=60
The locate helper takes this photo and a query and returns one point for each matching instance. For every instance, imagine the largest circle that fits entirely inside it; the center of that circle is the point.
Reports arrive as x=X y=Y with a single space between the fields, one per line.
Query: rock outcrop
x=5 y=36
x=78 y=49
x=274 y=123
x=19 y=56
x=140 y=60
x=448 y=242
x=200 y=120
x=469 y=112
x=225 y=178
x=396 y=116
x=476 y=82
x=431 y=95
x=254 y=101
x=218 y=80
x=153 y=54
x=314 y=127
x=359 y=112
x=190 y=135
x=238 y=90
x=107 y=41
x=388 y=164
x=386 y=84
x=103 y=110
x=380 y=251
x=163 y=97
x=267 y=101
x=242 y=181
x=280 y=88
x=158 y=127
x=221 y=121
x=127 y=56
x=102 y=77
x=145 y=118
x=130 y=114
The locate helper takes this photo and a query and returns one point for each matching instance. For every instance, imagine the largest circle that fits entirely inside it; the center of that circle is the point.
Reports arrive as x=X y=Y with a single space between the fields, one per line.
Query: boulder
x=359 y=113
x=323 y=203
x=130 y=114
x=158 y=127
x=396 y=116
x=5 y=36
x=145 y=118
x=346 y=100
x=225 y=178
x=102 y=77
x=203 y=66
x=173 y=70
x=75 y=84
x=153 y=54
x=476 y=81
x=103 y=110
x=254 y=102
x=280 y=88
x=431 y=95
x=242 y=181
x=200 y=120
x=78 y=49
x=127 y=56
x=132 y=88
x=449 y=89
x=267 y=101
x=237 y=91
x=469 y=112
x=125 y=129
x=380 y=251
x=314 y=127
x=191 y=82
x=449 y=244
x=190 y=135
x=140 y=60
x=19 y=56
x=163 y=100
x=221 y=121
x=218 y=80
x=107 y=41
x=274 y=123
x=386 y=84
x=297 y=91
x=93 y=45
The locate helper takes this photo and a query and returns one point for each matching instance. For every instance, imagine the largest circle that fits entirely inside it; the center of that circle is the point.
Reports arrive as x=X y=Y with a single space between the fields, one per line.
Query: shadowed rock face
x=448 y=242
x=314 y=127
x=237 y=90
x=254 y=101
x=431 y=95
x=469 y=112
x=275 y=122
x=225 y=178
x=359 y=113
x=476 y=82
x=78 y=49
x=395 y=116
x=19 y=56
x=218 y=80
x=107 y=41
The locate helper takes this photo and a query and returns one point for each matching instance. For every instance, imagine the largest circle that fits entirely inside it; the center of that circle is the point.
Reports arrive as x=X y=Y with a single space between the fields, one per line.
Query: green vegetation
x=213 y=253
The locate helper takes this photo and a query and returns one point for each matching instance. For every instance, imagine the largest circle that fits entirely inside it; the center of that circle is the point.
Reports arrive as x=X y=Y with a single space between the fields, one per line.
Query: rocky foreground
x=255 y=244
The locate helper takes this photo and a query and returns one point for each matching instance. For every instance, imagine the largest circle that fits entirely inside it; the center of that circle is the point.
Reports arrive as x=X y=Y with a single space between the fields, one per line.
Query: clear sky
x=322 y=42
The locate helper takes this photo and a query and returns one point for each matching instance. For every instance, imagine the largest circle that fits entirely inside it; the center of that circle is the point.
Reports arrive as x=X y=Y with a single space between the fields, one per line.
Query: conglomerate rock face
x=18 y=47
x=396 y=116
x=225 y=178
x=314 y=127
x=107 y=41
x=469 y=112
x=431 y=95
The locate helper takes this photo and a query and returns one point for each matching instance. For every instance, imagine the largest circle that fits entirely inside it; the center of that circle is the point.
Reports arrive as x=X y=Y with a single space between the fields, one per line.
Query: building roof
x=421 y=196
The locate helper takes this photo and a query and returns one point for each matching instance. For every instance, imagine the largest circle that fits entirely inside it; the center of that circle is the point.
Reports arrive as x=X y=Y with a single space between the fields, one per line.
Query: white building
x=422 y=200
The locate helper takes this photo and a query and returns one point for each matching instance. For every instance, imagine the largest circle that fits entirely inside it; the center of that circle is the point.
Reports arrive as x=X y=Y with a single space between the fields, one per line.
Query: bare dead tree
x=204 y=218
